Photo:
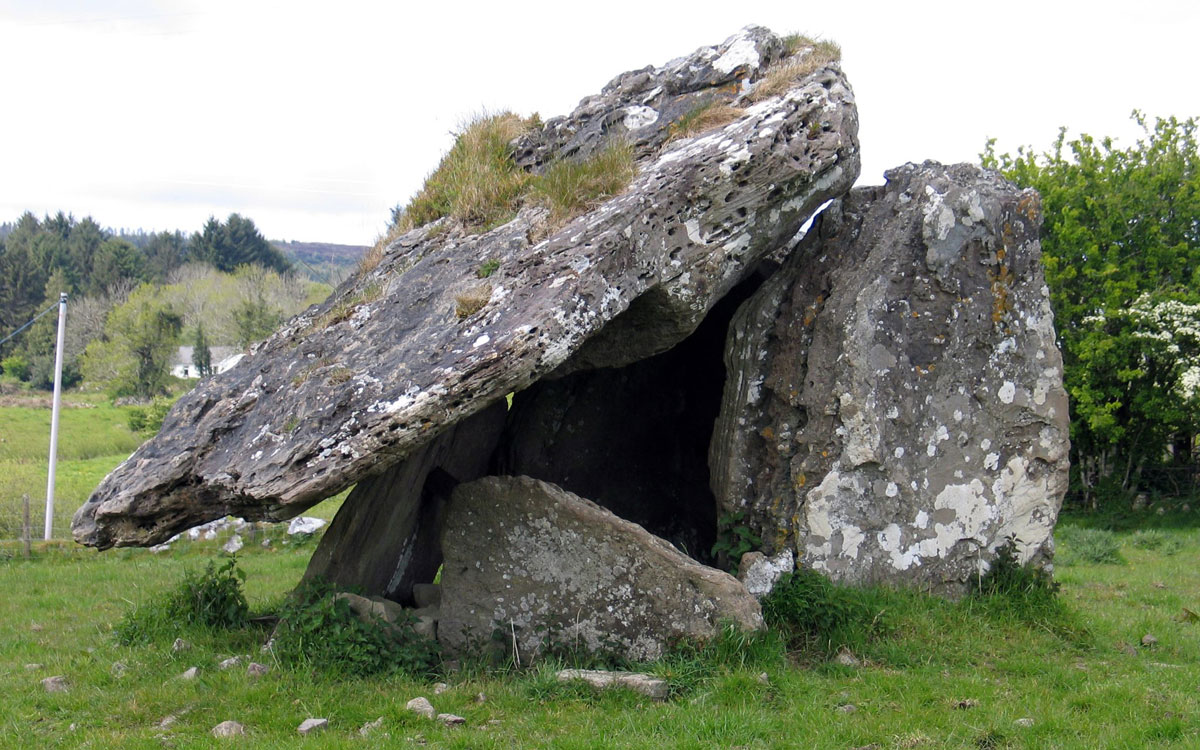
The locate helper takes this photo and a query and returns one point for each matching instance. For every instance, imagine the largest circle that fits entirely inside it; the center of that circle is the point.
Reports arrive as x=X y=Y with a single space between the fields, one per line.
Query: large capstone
x=402 y=351
x=526 y=561
x=894 y=410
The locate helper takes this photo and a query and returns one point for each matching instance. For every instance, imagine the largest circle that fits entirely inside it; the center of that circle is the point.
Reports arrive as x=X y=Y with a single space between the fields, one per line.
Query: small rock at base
x=190 y=674
x=421 y=706
x=847 y=708
x=32 y=667
x=257 y=670
x=481 y=697
x=440 y=687
x=180 y=645
x=764 y=679
x=312 y=725
x=847 y=659
x=451 y=720
x=167 y=721
x=232 y=661
x=600 y=679
x=1148 y=640
x=1025 y=722
x=234 y=544
x=228 y=729
x=370 y=726
x=55 y=684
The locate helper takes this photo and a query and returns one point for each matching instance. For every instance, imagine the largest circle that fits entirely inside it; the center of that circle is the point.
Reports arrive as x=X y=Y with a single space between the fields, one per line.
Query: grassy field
x=94 y=437
x=941 y=675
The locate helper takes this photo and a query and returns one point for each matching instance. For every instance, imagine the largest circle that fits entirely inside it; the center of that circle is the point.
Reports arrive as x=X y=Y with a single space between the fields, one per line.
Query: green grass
x=94 y=437
x=941 y=675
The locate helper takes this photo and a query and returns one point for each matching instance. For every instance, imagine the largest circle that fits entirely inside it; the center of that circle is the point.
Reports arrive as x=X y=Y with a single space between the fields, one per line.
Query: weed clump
x=570 y=187
x=734 y=539
x=813 y=613
x=1084 y=545
x=319 y=631
x=211 y=599
x=477 y=182
x=1156 y=540
x=472 y=301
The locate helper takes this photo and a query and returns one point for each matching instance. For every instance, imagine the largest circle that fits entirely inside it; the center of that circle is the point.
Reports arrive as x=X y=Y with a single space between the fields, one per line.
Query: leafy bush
x=212 y=599
x=812 y=612
x=150 y=418
x=321 y=632
x=1007 y=577
x=16 y=366
x=1086 y=545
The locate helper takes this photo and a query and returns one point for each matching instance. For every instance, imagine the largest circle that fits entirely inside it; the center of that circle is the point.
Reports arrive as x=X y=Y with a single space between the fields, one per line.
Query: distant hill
x=322 y=261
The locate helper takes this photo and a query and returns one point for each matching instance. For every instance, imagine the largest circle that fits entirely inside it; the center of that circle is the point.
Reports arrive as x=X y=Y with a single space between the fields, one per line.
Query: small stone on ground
x=232 y=661
x=440 y=687
x=32 y=667
x=1025 y=722
x=257 y=670
x=421 y=706
x=847 y=708
x=180 y=645
x=190 y=674
x=370 y=726
x=228 y=729
x=451 y=720
x=1149 y=641
x=600 y=679
x=312 y=725
x=55 y=684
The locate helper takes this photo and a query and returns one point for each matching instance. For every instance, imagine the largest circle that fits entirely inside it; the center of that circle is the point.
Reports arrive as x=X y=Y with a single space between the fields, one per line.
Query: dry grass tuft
x=706 y=116
x=477 y=183
x=804 y=55
x=472 y=301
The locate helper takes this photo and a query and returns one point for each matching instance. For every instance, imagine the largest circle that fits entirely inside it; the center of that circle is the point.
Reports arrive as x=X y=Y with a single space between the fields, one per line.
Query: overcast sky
x=314 y=119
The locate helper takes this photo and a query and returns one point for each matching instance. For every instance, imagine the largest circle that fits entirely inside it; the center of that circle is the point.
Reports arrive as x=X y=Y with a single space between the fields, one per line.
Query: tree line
x=135 y=298
x=1121 y=250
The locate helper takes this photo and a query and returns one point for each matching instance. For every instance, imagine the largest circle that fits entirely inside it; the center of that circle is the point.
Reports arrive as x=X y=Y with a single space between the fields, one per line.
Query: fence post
x=26 y=531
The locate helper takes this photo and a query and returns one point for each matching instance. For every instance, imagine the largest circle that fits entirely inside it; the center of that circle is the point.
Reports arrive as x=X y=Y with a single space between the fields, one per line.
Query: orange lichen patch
x=1030 y=206
x=767 y=433
x=1001 y=298
x=801 y=480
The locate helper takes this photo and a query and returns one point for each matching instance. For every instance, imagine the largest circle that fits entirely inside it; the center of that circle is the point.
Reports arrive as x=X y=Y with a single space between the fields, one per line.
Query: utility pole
x=58 y=362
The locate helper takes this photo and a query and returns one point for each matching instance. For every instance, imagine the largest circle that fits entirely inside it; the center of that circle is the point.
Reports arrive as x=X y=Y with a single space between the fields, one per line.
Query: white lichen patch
x=639 y=117
x=1007 y=392
x=740 y=52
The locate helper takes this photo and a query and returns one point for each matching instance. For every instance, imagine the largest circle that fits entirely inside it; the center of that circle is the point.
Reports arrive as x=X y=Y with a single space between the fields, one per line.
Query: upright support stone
x=894 y=409
x=386 y=537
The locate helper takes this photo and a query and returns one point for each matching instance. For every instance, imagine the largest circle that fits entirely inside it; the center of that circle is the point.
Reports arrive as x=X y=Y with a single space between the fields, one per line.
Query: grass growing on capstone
x=940 y=675
x=803 y=55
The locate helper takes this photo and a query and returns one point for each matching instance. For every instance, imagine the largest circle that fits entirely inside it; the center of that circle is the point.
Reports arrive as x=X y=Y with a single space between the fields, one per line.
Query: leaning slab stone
x=350 y=387
x=894 y=410
x=536 y=562
x=645 y=684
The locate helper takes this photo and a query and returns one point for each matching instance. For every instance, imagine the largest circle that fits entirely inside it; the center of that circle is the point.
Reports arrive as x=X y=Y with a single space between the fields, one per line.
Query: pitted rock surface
x=531 y=560
x=894 y=409
x=350 y=387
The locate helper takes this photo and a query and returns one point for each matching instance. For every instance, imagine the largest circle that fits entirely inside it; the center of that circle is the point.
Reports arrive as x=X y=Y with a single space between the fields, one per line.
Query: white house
x=223 y=358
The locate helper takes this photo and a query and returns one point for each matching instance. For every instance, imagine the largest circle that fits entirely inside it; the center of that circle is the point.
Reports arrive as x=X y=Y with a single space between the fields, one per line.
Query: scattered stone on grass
x=965 y=703
x=234 y=544
x=1149 y=641
x=421 y=706
x=764 y=679
x=180 y=645
x=366 y=729
x=451 y=720
x=602 y=679
x=232 y=661
x=118 y=669
x=35 y=627
x=305 y=525
x=228 y=729
x=847 y=659
x=190 y=673
x=168 y=721
x=309 y=726
x=1024 y=722
x=1126 y=649
x=32 y=667
x=440 y=687
x=257 y=670
x=847 y=708
x=55 y=684
x=481 y=697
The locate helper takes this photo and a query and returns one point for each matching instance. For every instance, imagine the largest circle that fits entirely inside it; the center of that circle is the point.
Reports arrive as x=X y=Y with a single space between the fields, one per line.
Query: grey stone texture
x=894 y=409
x=530 y=560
